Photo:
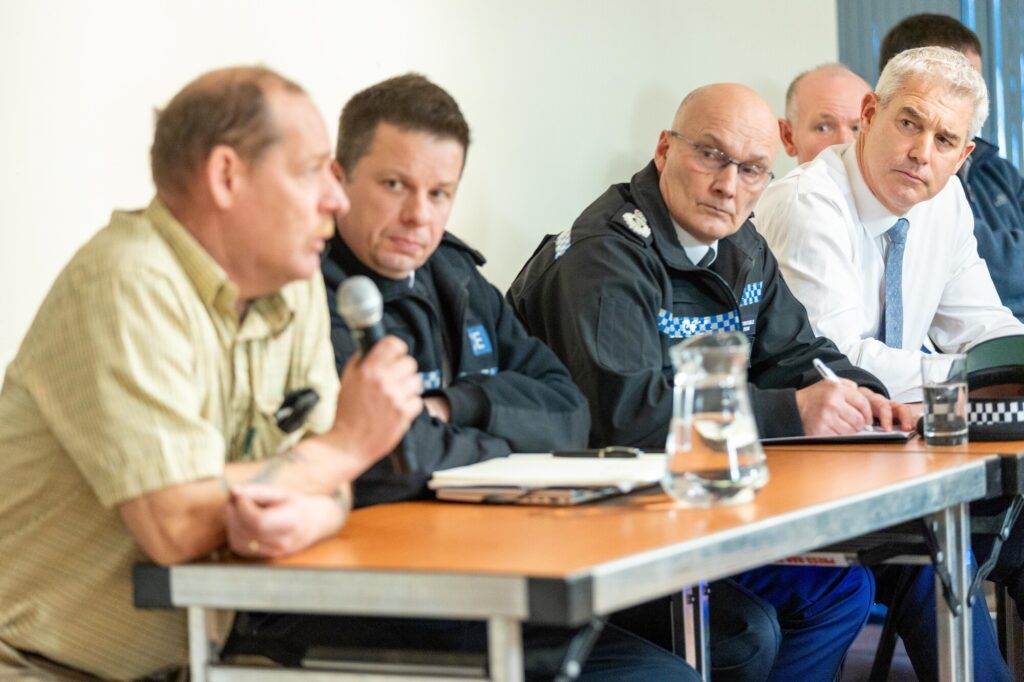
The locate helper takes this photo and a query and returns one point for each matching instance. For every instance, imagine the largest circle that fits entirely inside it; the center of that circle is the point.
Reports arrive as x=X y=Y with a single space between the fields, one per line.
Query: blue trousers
x=773 y=623
x=820 y=611
x=915 y=623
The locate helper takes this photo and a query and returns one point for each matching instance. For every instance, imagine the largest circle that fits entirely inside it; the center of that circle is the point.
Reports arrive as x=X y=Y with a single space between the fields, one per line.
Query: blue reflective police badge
x=479 y=341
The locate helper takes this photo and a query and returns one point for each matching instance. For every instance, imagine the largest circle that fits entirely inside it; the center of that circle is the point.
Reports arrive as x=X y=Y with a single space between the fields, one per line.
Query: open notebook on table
x=547 y=479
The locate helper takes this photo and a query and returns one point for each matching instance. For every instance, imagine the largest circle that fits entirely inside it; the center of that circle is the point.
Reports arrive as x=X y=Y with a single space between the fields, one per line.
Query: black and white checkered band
x=989 y=411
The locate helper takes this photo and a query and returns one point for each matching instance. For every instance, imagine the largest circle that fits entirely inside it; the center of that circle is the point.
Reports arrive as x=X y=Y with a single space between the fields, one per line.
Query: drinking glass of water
x=944 y=381
x=714 y=453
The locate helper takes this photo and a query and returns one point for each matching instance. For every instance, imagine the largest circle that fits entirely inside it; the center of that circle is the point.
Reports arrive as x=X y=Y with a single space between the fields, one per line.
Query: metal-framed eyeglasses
x=711 y=160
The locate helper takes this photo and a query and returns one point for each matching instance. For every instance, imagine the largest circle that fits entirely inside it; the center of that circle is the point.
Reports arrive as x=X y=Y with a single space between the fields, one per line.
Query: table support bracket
x=579 y=648
x=932 y=527
x=1009 y=518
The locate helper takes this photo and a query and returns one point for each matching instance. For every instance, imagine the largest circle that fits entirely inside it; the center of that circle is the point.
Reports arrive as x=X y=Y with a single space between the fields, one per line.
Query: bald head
x=730 y=104
x=822 y=109
x=716 y=160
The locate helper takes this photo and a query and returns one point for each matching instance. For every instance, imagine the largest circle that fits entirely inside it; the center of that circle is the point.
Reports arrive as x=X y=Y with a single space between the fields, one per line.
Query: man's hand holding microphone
x=378 y=400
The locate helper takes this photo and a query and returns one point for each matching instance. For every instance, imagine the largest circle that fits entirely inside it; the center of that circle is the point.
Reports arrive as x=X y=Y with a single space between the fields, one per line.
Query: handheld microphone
x=361 y=306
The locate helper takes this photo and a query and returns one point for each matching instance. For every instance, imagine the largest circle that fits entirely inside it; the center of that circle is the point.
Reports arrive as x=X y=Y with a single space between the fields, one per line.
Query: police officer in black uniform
x=671 y=255
x=489 y=387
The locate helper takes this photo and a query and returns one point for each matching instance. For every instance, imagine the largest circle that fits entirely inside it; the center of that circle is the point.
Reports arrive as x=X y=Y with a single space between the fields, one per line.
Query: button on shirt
x=828 y=232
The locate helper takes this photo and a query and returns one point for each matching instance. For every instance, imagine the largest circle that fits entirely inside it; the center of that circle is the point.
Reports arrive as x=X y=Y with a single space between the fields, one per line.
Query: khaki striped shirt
x=135 y=375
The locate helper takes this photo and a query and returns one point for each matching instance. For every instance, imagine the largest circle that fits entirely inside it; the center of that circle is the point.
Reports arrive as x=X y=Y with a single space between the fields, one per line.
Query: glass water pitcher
x=714 y=454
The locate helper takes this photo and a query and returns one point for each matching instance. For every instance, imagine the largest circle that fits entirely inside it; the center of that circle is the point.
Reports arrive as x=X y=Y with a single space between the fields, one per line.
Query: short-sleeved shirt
x=135 y=375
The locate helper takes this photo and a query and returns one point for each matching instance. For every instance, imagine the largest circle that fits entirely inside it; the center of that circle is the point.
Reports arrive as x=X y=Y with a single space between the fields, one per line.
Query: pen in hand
x=828 y=375
x=825 y=371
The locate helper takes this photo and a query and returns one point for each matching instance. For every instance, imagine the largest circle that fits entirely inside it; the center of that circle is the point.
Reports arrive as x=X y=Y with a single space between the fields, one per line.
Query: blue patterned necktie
x=893 y=311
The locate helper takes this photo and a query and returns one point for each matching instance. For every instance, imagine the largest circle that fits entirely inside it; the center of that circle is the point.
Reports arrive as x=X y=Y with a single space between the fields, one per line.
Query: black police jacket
x=507 y=390
x=615 y=291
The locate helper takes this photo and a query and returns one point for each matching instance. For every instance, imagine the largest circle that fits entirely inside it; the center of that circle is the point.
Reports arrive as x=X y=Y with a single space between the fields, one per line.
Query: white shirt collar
x=694 y=248
x=875 y=217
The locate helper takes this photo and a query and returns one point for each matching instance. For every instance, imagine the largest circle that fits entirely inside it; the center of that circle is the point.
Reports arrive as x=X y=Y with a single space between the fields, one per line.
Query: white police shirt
x=827 y=231
x=694 y=248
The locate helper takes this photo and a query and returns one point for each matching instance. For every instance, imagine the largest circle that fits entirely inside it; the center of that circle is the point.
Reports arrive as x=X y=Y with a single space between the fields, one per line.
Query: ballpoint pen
x=825 y=371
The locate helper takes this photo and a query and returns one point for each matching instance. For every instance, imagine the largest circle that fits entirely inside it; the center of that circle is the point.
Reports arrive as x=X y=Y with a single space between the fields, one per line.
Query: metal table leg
x=953 y=616
x=505 y=649
x=202 y=646
x=691 y=628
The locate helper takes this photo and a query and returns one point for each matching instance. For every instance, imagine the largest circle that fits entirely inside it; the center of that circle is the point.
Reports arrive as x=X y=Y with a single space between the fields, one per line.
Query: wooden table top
x=555 y=542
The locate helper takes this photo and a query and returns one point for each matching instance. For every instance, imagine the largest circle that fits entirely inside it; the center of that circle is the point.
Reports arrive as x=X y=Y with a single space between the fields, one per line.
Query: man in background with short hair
x=137 y=418
x=994 y=187
x=822 y=109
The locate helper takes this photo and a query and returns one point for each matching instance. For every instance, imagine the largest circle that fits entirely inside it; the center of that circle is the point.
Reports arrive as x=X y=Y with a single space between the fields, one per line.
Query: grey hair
x=947 y=68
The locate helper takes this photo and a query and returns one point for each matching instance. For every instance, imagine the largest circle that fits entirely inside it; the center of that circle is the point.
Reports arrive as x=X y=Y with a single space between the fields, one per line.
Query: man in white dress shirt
x=878 y=244
x=873 y=238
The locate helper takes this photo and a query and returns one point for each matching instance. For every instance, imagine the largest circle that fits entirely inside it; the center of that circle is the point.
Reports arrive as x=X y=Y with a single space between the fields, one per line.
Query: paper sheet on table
x=547 y=471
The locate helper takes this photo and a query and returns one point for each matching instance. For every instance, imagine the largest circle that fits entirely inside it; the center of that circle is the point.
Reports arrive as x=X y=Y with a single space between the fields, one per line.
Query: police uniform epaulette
x=631 y=221
x=450 y=239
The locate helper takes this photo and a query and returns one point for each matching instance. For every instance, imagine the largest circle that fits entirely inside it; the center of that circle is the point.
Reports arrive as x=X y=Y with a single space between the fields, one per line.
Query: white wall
x=563 y=97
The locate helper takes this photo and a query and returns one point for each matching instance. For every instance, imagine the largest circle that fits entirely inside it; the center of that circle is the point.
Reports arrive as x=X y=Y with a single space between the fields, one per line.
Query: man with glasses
x=671 y=255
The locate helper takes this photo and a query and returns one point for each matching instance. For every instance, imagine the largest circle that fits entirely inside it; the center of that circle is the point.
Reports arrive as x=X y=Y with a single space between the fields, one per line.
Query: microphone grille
x=359 y=302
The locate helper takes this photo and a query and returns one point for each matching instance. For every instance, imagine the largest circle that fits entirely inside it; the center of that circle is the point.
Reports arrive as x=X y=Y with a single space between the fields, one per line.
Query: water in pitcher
x=714 y=454
x=723 y=463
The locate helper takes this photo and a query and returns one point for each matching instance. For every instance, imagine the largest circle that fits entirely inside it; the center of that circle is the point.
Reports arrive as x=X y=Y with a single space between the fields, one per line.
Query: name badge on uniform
x=479 y=341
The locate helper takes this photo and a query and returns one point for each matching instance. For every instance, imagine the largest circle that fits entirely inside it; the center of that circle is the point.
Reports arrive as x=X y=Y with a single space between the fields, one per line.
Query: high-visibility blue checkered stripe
x=751 y=293
x=431 y=379
x=562 y=243
x=682 y=327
